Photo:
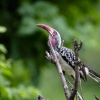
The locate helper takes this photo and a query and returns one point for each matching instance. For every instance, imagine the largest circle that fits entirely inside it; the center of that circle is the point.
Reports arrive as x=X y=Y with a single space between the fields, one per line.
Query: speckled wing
x=69 y=56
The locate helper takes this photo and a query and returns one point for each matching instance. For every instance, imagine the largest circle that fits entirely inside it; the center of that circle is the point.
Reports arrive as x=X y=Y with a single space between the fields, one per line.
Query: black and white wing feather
x=69 y=57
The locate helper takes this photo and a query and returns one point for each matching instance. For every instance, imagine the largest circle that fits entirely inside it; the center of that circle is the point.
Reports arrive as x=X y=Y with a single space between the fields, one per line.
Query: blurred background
x=24 y=70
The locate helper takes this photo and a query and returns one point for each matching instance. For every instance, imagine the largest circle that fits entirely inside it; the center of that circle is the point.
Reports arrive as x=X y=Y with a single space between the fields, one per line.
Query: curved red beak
x=46 y=27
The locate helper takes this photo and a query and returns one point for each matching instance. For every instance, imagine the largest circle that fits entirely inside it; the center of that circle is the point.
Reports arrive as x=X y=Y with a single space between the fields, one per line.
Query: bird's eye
x=54 y=33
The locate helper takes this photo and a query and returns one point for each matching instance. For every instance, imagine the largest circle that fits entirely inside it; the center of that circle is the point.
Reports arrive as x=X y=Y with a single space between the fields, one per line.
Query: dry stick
x=40 y=97
x=81 y=89
x=56 y=62
x=96 y=97
x=78 y=95
x=76 y=49
x=49 y=57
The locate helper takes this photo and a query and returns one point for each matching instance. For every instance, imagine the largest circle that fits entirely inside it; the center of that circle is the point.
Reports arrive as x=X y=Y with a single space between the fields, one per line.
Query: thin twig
x=53 y=57
x=40 y=97
x=81 y=89
x=96 y=97
x=77 y=47
x=71 y=85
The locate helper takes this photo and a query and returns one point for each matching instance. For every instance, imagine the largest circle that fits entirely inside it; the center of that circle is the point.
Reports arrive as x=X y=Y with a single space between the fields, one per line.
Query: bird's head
x=54 y=36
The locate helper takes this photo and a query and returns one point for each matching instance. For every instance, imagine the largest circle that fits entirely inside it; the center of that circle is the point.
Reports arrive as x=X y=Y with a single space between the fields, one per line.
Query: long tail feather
x=94 y=75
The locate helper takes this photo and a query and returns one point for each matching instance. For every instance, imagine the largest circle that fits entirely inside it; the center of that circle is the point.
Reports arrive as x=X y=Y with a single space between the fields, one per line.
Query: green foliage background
x=24 y=70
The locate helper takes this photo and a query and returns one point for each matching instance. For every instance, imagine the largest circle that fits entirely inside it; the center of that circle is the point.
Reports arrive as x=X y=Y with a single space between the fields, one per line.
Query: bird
x=66 y=56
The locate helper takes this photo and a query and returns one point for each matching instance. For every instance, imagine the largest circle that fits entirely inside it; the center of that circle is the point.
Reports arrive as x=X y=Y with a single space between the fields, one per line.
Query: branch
x=77 y=47
x=40 y=97
x=96 y=97
x=71 y=85
x=53 y=58
x=78 y=95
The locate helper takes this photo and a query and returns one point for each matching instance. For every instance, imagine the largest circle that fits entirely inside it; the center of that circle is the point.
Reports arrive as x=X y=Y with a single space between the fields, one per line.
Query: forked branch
x=53 y=58
x=77 y=47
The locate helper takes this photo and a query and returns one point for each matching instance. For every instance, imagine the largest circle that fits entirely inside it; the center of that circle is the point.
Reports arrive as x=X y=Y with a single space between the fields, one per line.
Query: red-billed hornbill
x=67 y=57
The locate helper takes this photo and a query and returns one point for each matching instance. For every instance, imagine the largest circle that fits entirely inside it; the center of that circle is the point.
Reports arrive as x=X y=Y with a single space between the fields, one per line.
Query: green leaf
x=3 y=29
x=3 y=49
x=23 y=94
x=3 y=92
x=7 y=73
x=33 y=91
x=3 y=65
